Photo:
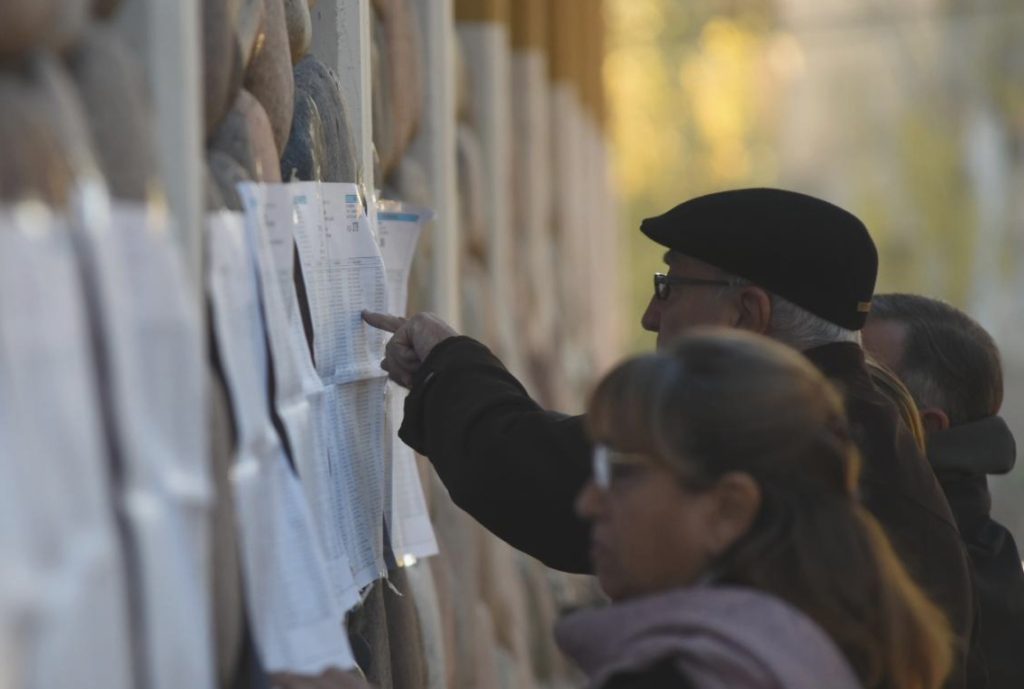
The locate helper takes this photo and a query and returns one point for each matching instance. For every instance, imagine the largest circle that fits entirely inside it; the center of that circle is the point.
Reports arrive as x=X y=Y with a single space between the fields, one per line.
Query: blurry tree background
x=908 y=112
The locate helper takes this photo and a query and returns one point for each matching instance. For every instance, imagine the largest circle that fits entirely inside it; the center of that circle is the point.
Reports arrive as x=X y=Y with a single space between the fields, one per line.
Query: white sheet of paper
x=64 y=572
x=412 y=534
x=399 y=226
x=298 y=389
x=298 y=626
x=274 y=206
x=344 y=274
x=153 y=348
x=354 y=429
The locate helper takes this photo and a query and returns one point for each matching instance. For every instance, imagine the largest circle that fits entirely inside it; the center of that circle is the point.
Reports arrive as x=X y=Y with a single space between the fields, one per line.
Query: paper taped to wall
x=412 y=534
x=151 y=346
x=298 y=390
x=298 y=626
x=344 y=274
x=63 y=587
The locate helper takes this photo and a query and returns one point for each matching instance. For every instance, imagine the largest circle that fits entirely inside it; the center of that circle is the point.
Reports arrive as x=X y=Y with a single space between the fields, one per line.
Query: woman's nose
x=590 y=501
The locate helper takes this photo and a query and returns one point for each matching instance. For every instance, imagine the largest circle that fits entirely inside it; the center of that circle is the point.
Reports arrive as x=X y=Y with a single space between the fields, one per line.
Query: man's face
x=885 y=340
x=687 y=305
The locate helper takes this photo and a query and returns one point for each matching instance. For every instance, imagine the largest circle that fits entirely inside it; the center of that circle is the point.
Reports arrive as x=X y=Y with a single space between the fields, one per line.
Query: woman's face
x=649 y=533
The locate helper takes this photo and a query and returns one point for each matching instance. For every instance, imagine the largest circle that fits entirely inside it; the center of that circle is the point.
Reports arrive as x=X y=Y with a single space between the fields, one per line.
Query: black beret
x=806 y=250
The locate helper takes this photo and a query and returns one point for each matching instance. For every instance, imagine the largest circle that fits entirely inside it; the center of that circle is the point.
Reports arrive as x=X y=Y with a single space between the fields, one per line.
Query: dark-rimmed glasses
x=663 y=284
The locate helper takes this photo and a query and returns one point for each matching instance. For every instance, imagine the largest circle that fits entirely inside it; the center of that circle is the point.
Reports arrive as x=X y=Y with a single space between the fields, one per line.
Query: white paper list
x=412 y=534
x=274 y=206
x=62 y=587
x=344 y=274
x=298 y=389
x=298 y=626
x=355 y=439
x=152 y=348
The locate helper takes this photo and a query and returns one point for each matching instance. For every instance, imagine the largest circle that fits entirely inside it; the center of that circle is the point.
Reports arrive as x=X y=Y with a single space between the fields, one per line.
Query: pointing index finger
x=383 y=321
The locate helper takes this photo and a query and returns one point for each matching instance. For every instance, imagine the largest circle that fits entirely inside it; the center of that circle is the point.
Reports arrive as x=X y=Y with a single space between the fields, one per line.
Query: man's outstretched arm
x=511 y=465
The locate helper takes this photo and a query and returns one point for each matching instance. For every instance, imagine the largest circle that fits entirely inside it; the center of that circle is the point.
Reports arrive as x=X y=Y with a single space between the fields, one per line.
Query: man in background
x=952 y=368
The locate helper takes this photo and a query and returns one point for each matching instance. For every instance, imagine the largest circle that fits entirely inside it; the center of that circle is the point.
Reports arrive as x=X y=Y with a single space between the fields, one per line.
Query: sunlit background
x=908 y=112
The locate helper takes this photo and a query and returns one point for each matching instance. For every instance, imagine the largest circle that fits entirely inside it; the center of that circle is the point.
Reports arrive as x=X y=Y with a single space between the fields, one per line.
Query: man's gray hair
x=796 y=326
x=801 y=329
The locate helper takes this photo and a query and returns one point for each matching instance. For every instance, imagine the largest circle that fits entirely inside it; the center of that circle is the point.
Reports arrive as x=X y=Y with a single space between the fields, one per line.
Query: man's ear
x=754 y=310
x=934 y=419
x=737 y=504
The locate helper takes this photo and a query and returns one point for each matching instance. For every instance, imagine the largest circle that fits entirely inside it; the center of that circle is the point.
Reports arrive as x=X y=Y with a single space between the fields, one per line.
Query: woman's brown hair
x=725 y=401
x=889 y=384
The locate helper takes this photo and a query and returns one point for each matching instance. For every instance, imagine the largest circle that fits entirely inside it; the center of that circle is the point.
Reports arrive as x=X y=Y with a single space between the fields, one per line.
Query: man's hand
x=413 y=340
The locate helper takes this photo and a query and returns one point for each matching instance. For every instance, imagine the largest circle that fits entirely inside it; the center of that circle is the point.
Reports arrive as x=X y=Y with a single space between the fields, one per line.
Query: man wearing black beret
x=774 y=262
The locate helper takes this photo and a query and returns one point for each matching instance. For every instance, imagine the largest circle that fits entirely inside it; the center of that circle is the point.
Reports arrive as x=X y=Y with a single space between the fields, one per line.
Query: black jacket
x=517 y=468
x=662 y=675
x=961 y=457
x=900 y=489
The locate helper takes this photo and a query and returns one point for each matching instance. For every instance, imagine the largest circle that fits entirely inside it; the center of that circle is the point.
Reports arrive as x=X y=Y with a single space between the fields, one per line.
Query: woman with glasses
x=726 y=529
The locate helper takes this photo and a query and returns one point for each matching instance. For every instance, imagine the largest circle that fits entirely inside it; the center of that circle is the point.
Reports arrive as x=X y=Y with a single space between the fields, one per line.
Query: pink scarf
x=718 y=637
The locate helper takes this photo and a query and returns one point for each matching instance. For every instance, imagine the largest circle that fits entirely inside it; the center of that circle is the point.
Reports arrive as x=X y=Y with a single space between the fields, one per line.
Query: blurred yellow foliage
x=688 y=112
x=720 y=80
x=877 y=108
x=636 y=80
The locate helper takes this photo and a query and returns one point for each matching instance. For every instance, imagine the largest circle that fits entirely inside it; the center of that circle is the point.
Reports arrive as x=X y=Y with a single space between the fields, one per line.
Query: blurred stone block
x=245 y=134
x=111 y=87
x=269 y=75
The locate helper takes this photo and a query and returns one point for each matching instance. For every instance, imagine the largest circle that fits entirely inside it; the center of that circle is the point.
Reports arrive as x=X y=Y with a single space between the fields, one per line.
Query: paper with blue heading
x=299 y=393
x=412 y=534
x=344 y=274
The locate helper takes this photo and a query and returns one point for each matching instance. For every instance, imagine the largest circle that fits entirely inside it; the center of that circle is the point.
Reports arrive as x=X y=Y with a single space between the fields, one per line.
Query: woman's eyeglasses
x=609 y=465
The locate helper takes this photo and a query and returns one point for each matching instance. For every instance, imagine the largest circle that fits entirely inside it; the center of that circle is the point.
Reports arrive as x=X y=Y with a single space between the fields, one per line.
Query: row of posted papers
x=105 y=486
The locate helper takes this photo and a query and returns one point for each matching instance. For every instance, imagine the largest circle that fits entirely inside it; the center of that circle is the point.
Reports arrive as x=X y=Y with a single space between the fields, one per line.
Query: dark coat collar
x=838 y=359
x=981 y=447
x=961 y=458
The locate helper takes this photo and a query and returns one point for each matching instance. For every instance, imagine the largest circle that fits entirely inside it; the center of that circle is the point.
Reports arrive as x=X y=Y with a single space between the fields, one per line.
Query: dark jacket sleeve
x=660 y=676
x=511 y=465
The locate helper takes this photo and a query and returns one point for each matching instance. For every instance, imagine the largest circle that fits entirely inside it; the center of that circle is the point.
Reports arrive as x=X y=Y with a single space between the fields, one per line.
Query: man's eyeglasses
x=663 y=283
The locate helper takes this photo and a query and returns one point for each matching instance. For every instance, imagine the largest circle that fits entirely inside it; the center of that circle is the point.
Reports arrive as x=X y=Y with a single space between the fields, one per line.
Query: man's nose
x=651 y=320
